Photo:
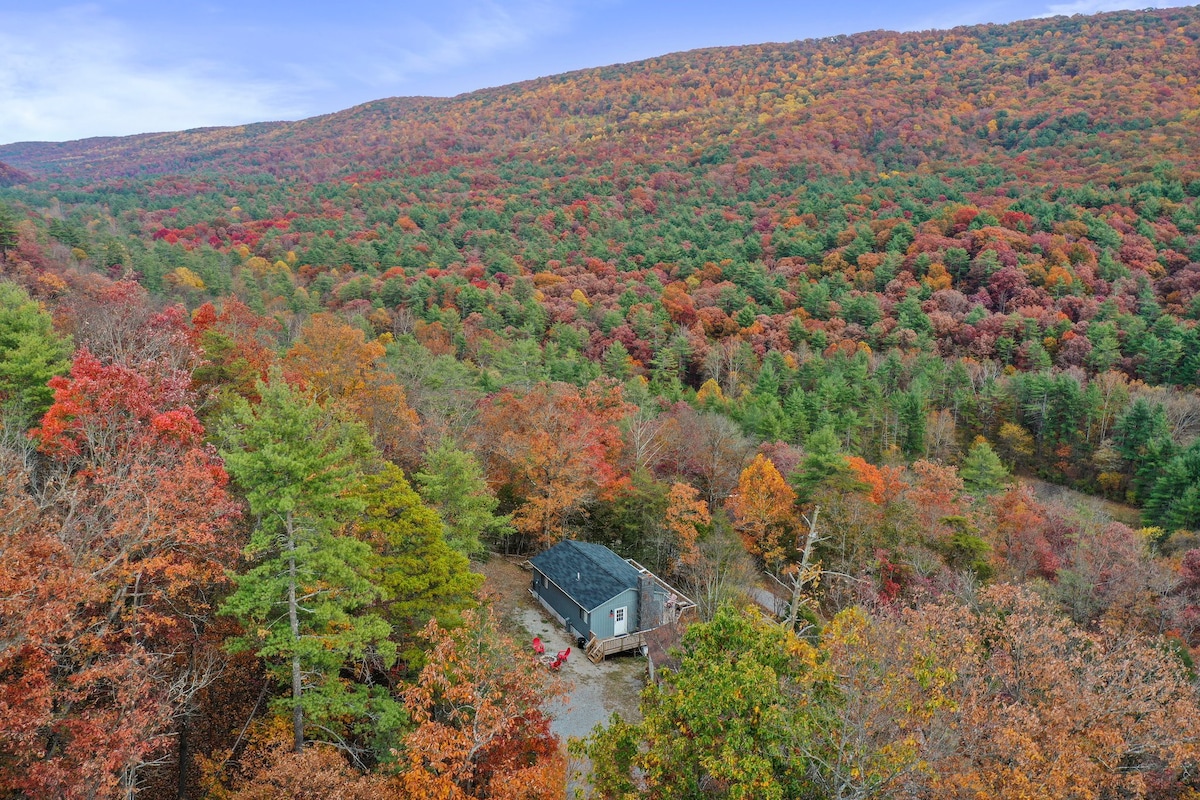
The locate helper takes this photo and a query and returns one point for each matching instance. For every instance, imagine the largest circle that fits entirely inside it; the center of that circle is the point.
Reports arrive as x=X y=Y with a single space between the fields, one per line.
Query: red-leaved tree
x=133 y=526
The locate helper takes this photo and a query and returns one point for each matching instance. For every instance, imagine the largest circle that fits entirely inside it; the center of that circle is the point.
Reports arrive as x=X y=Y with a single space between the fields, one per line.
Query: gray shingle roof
x=590 y=574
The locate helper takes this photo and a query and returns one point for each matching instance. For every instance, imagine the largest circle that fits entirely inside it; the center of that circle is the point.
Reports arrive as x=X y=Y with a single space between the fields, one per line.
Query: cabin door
x=620 y=621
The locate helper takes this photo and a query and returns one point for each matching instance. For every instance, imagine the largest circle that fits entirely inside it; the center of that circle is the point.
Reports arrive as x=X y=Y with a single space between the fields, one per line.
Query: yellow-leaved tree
x=764 y=511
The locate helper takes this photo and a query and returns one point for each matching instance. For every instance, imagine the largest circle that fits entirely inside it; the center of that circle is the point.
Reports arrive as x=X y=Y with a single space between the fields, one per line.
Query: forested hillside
x=10 y=176
x=810 y=310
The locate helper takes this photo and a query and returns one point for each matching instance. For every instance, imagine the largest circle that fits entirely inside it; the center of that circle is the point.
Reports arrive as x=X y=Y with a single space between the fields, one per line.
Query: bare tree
x=646 y=437
x=797 y=577
x=721 y=575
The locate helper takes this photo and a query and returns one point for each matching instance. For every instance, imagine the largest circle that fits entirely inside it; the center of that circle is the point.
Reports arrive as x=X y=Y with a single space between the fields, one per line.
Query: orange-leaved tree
x=481 y=727
x=336 y=362
x=764 y=512
x=1050 y=710
x=238 y=348
x=1018 y=535
x=687 y=516
x=38 y=583
x=555 y=449
x=142 y=522
x=936 y=494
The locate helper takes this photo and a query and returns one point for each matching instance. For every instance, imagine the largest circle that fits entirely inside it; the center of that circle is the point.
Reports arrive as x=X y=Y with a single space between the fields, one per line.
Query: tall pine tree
x=1174 y=501
x=302 y=600
x=982 y=472
x=31 y=353
x=454 y=484
x=8 y=231
x=419 y=574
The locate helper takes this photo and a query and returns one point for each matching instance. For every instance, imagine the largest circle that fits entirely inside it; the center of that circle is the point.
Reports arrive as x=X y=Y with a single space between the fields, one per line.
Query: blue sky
x=70 y=70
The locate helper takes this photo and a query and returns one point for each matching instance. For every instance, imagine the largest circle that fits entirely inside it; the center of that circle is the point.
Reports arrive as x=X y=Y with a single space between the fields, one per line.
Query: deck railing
x=598 y=649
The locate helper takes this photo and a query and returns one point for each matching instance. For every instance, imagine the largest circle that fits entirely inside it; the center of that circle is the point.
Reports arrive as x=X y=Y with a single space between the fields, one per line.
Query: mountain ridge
x=869 y=99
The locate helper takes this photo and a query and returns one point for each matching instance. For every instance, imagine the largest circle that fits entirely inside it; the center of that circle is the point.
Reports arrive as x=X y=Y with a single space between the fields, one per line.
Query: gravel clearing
x=596 y=690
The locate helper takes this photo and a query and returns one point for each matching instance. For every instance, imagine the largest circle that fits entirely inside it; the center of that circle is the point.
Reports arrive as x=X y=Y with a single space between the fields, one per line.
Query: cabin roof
x=589 y=574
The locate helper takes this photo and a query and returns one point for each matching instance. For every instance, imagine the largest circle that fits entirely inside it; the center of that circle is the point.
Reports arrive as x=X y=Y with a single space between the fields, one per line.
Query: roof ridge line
x=600 y=564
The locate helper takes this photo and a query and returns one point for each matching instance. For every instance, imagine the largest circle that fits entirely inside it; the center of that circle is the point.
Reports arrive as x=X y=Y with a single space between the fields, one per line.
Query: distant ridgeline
x=1006 y=212
x=1076 y=99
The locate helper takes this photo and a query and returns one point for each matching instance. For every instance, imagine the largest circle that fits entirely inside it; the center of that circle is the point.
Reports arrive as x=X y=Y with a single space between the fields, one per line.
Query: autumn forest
x=900 y=331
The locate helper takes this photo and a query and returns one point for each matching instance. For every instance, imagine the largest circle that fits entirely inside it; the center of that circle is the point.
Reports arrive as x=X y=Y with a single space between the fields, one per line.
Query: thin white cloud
x=475 y=31
x=76 y=72
x=1099 y=6
x=73 y=74
x=953 y=16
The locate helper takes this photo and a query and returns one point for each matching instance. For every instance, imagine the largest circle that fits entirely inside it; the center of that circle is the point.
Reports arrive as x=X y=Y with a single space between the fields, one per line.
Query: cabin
x=607 y=602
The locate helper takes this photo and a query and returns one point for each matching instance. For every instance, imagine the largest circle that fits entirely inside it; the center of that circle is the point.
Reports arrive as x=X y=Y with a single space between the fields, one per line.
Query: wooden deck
x=680 y=605
x=598 y=649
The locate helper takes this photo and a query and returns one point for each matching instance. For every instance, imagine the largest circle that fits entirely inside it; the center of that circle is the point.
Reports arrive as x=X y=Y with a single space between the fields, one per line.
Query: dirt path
x=598 y=690
x=1046 y=491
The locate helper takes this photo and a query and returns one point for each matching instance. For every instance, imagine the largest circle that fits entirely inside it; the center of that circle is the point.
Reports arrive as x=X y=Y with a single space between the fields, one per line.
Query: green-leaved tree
x=31 y=353
x=982 y=472
x=8 y=231
x=721 y=725
x=303 y=599
x=419 y=575
x=1174 y=501
x=454 y=484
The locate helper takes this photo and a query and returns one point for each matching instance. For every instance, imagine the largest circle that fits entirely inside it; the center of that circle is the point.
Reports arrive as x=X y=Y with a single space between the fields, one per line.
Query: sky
x=72 y=70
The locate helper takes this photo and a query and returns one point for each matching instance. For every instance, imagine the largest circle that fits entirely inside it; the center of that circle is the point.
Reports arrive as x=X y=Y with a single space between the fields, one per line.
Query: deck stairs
x=598 y=649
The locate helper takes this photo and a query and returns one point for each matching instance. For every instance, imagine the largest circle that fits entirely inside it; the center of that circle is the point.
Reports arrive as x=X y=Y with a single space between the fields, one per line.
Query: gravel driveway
x=597 y=689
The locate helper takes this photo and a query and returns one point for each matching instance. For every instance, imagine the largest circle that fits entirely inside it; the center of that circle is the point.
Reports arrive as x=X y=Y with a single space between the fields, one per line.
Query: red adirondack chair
x=538 y=647
x=560 y=658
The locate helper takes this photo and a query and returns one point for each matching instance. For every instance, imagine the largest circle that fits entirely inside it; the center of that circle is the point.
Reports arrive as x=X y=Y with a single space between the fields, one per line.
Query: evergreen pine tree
x=982 y=472
x=617 y=363
x=419 y=575
x=1174 y=501
x=302 y=600
x=910 y=409
x=8 y=231
x=454 y=484
x=1138 y=427
x=31 y=353
x=823 y=462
